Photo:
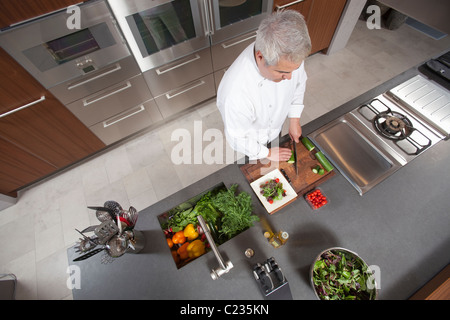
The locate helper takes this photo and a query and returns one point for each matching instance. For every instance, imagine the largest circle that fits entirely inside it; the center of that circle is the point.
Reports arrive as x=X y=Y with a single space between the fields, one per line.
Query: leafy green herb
x=341 y=276
x=181 y=219
x=231 y=213
x=272 y=190
x=236 y=211
x=205 y=208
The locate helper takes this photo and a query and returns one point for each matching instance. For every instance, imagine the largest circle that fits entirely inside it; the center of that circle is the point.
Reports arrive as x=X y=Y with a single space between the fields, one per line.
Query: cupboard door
x=19 y=168
x=302 y=6
x=34 y=125
x=323 y=20
x=14 y=11
x=46 y=128
x=17 y=86
x=321 y=16
x=50 y=131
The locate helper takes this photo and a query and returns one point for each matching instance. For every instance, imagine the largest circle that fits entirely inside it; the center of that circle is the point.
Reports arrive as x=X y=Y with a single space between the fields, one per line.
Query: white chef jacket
x=253 y=108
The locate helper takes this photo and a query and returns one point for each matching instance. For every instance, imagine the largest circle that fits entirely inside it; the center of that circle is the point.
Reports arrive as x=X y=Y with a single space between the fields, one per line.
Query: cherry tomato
x=316 y=198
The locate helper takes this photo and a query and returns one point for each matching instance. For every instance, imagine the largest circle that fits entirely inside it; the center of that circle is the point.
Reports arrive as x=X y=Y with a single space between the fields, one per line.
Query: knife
x=89 y=254
x=294 y=147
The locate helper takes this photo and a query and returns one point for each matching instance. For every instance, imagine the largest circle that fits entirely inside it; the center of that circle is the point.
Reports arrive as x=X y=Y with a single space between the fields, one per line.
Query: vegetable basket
x=226 y=213
x=341 y=274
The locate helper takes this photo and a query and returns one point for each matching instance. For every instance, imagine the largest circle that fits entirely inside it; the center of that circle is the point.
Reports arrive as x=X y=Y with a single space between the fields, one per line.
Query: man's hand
x=295 y=130
x=279 y=154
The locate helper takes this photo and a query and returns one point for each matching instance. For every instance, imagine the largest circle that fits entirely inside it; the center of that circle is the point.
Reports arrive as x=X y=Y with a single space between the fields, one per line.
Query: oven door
x=161 y=31
x=231 y=18
x=54 y=52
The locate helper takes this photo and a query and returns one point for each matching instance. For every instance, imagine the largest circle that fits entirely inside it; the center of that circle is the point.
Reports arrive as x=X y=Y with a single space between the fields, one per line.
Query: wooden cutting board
x=305 y=181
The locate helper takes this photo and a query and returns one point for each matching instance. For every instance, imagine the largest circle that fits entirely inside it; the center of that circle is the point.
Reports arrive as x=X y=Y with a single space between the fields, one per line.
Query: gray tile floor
x=36 y=232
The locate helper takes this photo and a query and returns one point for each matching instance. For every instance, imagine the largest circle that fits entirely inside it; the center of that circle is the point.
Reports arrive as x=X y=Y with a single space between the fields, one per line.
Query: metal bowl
x=348 y=252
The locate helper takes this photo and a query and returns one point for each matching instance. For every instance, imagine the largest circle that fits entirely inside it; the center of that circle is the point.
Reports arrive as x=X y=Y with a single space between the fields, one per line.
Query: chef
x=264 y=86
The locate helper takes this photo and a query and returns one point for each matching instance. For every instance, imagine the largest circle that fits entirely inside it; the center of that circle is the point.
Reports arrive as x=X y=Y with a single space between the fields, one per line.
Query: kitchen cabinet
x=37 y=132
x=114 y=102
x=19 y=167
x=13 y=11
x=224 y=54
x=302 y=6
x=321 y=17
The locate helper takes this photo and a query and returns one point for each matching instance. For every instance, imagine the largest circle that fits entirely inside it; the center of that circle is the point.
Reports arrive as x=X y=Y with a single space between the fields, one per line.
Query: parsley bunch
x=236 y=211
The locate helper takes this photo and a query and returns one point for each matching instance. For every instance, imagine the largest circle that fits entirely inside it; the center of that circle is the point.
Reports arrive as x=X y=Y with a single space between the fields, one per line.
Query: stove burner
x=393 y=125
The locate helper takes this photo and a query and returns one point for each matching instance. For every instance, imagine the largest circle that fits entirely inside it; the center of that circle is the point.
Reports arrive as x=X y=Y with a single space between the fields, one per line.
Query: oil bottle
x=278 y=239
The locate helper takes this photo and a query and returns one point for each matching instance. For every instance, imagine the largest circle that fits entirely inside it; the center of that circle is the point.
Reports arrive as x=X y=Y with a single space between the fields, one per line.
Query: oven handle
x=198 y=84
x=116 y=67
x=122 y=87
x=42 y=98
x=279 y=7
x=226 y=46
x=162 y=71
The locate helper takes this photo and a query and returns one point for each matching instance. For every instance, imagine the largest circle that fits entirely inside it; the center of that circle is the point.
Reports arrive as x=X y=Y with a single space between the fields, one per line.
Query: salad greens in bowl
x=340 y=274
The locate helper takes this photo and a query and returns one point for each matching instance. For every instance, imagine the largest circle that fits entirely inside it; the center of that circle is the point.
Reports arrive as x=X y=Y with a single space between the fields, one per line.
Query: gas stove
x=399 y=119
x=377 y=138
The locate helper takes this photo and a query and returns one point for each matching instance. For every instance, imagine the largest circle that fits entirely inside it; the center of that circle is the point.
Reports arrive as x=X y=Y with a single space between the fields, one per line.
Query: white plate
x=290 y=192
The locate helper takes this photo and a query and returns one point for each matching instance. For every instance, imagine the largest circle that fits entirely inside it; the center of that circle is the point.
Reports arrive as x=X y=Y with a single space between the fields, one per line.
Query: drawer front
x=186 y=96
x=128 y=122
x=90 y=83
x=218 y=75
x=224 y=54
x=179 y=72
x=111 y=101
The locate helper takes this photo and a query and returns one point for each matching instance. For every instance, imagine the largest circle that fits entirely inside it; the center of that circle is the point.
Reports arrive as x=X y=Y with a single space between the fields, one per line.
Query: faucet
x=224 y=267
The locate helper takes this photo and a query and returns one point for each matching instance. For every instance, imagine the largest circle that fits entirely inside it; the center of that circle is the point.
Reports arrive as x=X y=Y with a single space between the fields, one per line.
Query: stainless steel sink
x=358 y=156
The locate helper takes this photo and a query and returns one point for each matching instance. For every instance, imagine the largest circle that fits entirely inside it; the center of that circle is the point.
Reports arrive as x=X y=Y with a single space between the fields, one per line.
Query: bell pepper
x=179 y=237
x=190 y=232
x=182 y=251
x=175 y=256
x=195 y=249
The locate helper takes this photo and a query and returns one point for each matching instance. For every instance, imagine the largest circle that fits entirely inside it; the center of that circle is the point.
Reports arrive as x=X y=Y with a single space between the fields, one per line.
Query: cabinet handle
x=288 y=4
x=226 y=46
x=210 y=15
x=198 y=84
x=207 y=20
x=123 y=116
x=42 y=98
x=116 y=67
x=125 y=86
x=162 y=71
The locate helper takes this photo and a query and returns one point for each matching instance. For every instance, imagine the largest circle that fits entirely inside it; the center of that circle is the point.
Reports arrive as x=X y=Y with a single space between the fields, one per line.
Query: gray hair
x=283 y=34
